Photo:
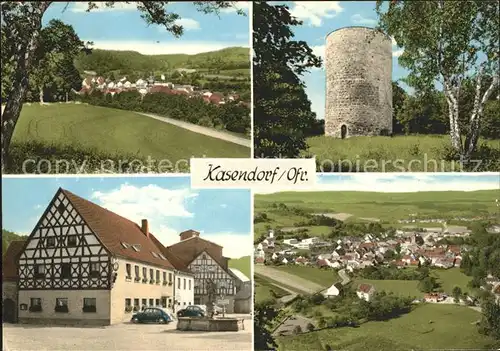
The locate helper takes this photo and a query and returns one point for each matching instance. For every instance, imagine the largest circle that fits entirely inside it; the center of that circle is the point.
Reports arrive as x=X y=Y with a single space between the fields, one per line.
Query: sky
x=403 y=183
x=169 y=204
x=122 y=28
x=322 y=17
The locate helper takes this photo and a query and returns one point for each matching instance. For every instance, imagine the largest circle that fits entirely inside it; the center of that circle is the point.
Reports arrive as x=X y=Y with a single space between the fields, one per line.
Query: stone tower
x=358 y=63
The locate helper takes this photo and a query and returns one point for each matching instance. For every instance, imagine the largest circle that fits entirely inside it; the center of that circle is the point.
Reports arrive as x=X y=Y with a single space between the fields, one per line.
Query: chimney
x=188 y=234
x=145 y=227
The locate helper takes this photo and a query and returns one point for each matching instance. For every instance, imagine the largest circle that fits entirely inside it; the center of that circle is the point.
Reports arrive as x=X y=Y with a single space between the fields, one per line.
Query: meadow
x=386 y=208
x=118 y=133
x=323 y=277
x=243 y=264
x=429 y=326
x=413 y=153
x=266 y=290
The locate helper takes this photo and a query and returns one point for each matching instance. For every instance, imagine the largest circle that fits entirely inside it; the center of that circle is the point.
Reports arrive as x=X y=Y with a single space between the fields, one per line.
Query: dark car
x=191 y=311
x=151 y=315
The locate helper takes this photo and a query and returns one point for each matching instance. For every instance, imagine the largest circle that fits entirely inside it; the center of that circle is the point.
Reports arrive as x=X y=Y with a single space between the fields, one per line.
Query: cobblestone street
x=150 y=337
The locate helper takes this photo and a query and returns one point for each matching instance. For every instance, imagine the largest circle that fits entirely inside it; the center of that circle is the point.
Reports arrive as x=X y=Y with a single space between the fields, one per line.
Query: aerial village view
x=123 y=87
x=379 y=262
x=124 y=264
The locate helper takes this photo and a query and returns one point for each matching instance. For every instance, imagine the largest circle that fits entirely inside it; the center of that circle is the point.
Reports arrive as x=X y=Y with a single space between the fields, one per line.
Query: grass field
x=321 y=277
x=243 y=264
x=422 y=153
x=117 y=132
x=429 y=326
x=449 y=278
x=388 y=207
x=264 y=289
x=398 y=287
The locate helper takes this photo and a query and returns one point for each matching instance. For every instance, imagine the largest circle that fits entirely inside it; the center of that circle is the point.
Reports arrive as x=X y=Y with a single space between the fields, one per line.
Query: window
x=151 y=302
x=154 y=254
x=50 y=241
x=137 y=275
x=61 y=305
x=71 y=240
x=184 y=304
x=144 y=274
x=125 y=245
x=61 y=208
x=35 y=304
x=157 y=276
x=128 y=305
x=39 y=271
x=136 y=247
x=162 y=257
x=89 y=305
x=151 y=275
x=184 y=284
x=66 y=270
x=178 y=283
x=136 y=305
x=189 y=283
x=164 y=277
x=157 y=302
x=129 y=271
x=170 y=278
x=94 y=270
x=204 y=257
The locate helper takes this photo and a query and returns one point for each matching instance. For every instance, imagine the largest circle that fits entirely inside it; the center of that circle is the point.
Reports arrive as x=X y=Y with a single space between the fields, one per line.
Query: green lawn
x=388 y=207
x=429 y=326
x=398 y=287
x=416 y=153
x=243 y=264
x=321 y=277
x=449 y=278
x=264 y=288
x=112 y=131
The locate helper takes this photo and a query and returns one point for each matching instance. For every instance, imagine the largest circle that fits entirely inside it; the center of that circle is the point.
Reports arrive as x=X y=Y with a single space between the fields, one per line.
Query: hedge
x=230 y=116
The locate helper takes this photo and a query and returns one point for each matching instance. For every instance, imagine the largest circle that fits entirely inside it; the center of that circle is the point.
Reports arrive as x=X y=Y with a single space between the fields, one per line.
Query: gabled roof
x=112 y=230
x=9 y=260
x=187 y=250
x=366 y=288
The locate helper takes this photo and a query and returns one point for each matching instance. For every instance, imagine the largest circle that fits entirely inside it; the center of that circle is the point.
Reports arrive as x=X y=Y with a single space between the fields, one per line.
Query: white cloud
x=398 y=183
x=239 y=5
x=163 y=48
x=359 y=19
x=151 y=202
x=101 y=7
x=394 y=43
x=397 y=53
x=319 y=50
x=314 y=12
x=188 y=23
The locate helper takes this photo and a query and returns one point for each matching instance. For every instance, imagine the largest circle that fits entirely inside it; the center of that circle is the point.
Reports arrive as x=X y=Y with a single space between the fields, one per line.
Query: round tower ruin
x=358 y=62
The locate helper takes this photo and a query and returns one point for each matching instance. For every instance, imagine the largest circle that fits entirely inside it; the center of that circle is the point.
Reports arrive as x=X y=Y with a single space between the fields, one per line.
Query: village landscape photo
x=378 y=86
x=379 y=262
x=143 y=263
x=114 y=87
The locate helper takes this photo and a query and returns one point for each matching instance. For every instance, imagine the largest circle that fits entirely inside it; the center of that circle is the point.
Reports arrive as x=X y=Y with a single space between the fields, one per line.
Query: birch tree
x=21 y=25
x=447 y=42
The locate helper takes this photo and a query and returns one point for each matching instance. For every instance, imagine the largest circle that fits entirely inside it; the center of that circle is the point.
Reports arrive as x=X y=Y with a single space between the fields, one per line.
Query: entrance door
x=9 y=311
x=343 y=131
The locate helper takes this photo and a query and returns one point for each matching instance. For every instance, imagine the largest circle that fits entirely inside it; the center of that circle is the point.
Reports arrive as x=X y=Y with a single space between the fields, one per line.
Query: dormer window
x=154 y=254
x=136 y=247
x=162 y=257
x=125 y=245
x=50 y=241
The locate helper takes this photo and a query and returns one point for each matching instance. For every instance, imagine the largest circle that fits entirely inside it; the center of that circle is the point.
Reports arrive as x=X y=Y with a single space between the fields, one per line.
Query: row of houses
x=151 y=86
x=83 y=264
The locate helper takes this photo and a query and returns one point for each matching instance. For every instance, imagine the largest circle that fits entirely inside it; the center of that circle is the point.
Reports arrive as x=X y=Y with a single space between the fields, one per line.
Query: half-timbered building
x=204 y=258
x=85 y=264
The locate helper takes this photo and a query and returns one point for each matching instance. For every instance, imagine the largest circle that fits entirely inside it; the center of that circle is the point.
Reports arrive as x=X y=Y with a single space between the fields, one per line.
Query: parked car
x=217 y=309
x=191 y=311
x=151 y=315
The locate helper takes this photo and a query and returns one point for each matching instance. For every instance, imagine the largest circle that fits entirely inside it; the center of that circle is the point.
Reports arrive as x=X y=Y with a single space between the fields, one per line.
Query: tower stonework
x=358 y=62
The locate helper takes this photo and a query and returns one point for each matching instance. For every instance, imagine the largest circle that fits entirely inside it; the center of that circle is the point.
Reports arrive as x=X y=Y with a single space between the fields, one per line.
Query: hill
x=233 y=61
x=242 y=264
x=8 y=237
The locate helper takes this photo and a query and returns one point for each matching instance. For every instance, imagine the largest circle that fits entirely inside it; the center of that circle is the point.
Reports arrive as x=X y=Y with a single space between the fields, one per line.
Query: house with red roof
x=365 y=291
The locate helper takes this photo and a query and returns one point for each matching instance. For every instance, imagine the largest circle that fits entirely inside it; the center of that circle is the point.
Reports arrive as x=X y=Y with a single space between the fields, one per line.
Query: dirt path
x=339 y=216
x=288 y=279
x=202 y=130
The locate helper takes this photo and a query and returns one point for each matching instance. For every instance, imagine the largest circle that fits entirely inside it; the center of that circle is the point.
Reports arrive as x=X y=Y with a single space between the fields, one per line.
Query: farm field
x=116 y=132
x=429 y=326
x=398 y=287
x=264 y=290
x=243 y=264
x=388 y=207
x=422 y=153
x=324 y=278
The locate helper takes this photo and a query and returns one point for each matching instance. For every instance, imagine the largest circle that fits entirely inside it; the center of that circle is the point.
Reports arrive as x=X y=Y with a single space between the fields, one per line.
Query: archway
x=9 y=311
x=343 y=131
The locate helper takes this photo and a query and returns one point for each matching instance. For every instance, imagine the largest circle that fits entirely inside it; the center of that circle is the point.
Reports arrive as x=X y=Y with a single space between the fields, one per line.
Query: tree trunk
x=40 y=94
x=456 y=141
x=477 y=114
x=24 y=59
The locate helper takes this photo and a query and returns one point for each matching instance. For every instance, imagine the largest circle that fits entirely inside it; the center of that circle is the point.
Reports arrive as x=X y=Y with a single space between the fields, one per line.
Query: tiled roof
x=113 y=230
x=187 y=250
x=366 y=288
x=9 y=260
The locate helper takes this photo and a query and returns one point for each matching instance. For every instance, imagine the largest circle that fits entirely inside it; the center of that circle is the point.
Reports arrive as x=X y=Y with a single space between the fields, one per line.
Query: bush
x=310 y=327
x=297 y=330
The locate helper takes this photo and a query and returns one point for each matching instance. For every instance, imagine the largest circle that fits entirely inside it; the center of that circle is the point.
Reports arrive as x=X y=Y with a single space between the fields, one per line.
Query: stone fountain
x=210 y=323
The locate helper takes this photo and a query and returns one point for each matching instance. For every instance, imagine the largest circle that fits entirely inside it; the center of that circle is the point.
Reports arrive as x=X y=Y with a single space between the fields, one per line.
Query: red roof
x=259 y=259
x=322 y=263
x=187 y=250
x=366 y=288
x=9 y=261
